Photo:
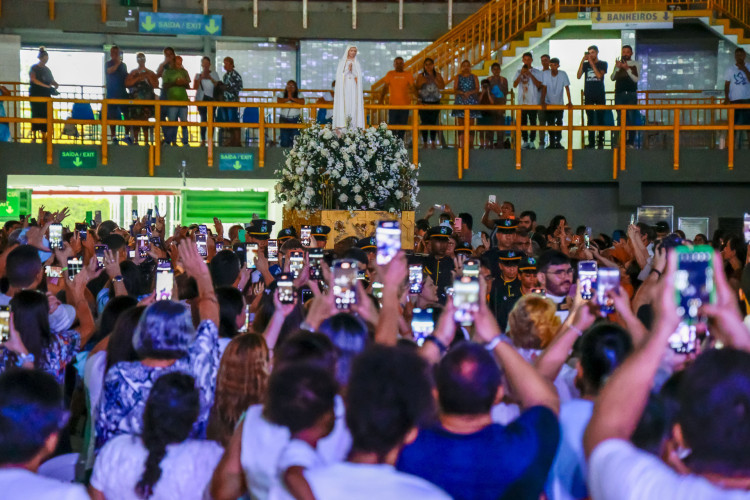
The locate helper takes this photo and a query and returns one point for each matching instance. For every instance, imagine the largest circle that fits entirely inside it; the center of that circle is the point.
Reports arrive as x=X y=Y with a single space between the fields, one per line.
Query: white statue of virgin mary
x=348 y=99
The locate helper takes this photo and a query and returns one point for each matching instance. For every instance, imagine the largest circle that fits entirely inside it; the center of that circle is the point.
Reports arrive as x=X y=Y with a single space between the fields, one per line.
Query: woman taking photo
x=204 y=85
x=429 y=84
x=289 y=115
x=43 y=84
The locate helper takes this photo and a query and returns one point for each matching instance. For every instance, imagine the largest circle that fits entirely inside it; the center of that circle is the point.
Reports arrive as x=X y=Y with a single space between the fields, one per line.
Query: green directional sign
x=11 y=208
x=78 y=159
x=236 y=162
x=179 y=24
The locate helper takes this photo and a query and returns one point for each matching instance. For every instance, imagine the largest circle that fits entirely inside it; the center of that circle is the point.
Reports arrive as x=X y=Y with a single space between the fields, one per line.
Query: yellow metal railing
x=678 y=126
x=480 y=36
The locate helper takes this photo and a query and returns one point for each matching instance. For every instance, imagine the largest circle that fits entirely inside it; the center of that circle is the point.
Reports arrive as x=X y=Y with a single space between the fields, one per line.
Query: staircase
x=502 y=26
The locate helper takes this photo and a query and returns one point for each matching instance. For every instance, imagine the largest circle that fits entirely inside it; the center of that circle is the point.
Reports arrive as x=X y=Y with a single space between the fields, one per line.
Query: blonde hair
x=532 y=323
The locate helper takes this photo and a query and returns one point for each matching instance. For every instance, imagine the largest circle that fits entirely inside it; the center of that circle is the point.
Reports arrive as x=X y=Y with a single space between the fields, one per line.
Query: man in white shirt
x=737 y=90
x=554 y=82
x=389 y=393
x=713 y=421
x=528 y=81
x=31 y=417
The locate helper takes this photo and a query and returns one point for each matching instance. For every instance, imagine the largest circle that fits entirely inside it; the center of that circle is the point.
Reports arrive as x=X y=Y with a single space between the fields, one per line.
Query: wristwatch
x=117 y=278
x=24 y=358
x=490 y=346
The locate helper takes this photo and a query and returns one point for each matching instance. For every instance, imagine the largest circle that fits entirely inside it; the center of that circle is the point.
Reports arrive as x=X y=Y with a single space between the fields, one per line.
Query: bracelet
x=575 y=329
x=431 y=338
x=306 y=326
x=490 y=346
x=657 y=272
x=24 y=358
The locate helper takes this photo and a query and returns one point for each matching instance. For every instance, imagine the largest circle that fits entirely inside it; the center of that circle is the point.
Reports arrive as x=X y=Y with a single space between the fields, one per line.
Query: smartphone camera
x=143 y=245
x=315 y=256
x=607 y=278
x=296 y=262
x=694 y=281
x=306 y=236
x=285 y=286
x=53 y=271
x=55 y=237
x=685 y=339
x=200 y=242
x=422 y=324
x=415 y=279
x=388 y=240
x=4 y=324
x=471 y=268
x=273 y=250
x=164 y=280
x=75 y=265
x=587 y=271
x=251 y=253
x=99 y=252
x=344 y=280
x=465 y=299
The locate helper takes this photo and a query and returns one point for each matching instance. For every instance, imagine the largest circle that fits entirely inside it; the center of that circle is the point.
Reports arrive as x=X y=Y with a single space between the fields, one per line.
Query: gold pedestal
x=344 y=224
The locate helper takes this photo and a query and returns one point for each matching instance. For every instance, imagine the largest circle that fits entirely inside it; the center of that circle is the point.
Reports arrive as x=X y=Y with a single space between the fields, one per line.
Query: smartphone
x=607 y=278
x=55 y=237
x=131 y=254
x=492 y=199
x=164 y=280
x=98 y=217
x=539 y=291
x=306 y=236
x=465 y=299
x=587 y=237
x=219 y=246
x=99 y=252
x=632 y=219
x=241 y=235
x=89 y=217
x=685 y=339
x=200 y=242
x=4 y=324
x=746 y=228
x=149 y=214
x=80 y=226
x=471 y=268
x=306 y=295
x=75 y=264
x=296 y=262
x=694 y=281
x=246 y=324
x=315 y=259
x=587 y=278
x=422 y=323
x=273 y=250
x=202 y=229
x=415 y=279
x=143 y=245
x=135 y=216
x=439 y=207
x=285 y=285
x=388 y=241
x=344 y=280
x=251 y=252
x=377 y=290
x=457 y=222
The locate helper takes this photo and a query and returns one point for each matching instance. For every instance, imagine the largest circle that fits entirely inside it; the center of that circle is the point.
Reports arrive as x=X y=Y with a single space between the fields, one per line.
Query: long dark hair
x=120 y=346
x=296 y=89
x=171 y=410
x=31 y=319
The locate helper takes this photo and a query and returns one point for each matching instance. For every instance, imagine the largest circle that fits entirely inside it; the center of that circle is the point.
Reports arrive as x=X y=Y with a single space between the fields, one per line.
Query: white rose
x=372 y=204
x=357 y=188
x=357 y=199
x=300 y=170
x=310 y=171
x=389 y=184
x=399 y=194
x=343 y=198
x=344 y=181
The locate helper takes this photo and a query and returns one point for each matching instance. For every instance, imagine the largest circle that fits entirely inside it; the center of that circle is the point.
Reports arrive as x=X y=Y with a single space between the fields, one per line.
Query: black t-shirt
x=593 y=87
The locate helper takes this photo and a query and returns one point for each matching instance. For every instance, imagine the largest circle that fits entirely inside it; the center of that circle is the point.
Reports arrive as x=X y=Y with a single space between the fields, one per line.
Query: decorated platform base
x=360 y=223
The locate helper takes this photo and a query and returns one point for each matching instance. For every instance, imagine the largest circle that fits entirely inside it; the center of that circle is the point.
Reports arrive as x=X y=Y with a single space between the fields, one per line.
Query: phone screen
x=164 y=280
x=99 y=252
x=344 y=279
x=55 y=237
x=296 y=262
x=75 y=264
x=746 y=228
x=492 y=199
x=202 y=229
x=694 y=281
x=285 y=285
x=685 y=339
x=273 y=251
x=135 y=216
x=466 y=299
x=587 y=278
x=607 y=278
x=200 y=242
x=415 y=279
x=471 y=268
x=242 y=235
x=305 y=236
x=251 y=252
x=388 y=240
x=587 y=237
x=219 y=246
x=315 y=256
x=53 y=271
x=377 y=290
x=143 y=245
x=4 y=324
x=422 y=323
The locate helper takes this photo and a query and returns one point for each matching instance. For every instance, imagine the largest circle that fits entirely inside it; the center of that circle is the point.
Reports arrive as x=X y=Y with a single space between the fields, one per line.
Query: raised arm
x=192 y=262
x=386 y=331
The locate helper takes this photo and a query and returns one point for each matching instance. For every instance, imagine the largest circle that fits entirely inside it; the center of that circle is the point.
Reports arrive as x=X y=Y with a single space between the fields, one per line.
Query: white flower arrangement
x=357 y=170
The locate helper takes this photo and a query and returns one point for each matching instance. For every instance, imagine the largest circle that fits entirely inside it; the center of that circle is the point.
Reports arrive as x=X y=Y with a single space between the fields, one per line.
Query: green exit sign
x=236 y=162
x=78 y=159
x=11 y=208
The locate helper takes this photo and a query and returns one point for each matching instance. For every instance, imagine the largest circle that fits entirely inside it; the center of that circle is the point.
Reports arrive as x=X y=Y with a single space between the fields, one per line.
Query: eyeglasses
x=560 y=272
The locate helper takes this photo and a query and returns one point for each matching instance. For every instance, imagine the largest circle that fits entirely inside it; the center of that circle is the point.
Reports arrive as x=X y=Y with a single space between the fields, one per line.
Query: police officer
x=437 y=264
x=507 y=289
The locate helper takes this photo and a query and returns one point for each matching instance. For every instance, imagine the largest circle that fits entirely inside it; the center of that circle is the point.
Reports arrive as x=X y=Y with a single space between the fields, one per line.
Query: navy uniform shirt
x=441 y=272
x=503 y=297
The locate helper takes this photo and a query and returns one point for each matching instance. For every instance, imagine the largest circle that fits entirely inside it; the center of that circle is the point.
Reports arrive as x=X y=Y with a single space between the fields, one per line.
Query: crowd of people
x=544 y=86
x=228 y=363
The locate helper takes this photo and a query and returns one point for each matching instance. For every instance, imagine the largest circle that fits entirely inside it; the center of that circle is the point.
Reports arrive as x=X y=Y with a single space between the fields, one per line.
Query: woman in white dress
x=348 y=100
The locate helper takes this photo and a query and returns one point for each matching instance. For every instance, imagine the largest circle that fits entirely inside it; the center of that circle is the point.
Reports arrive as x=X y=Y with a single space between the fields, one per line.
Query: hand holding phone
x=285 y=286
x=344 y=283
x=607 y=279
x=388 y=240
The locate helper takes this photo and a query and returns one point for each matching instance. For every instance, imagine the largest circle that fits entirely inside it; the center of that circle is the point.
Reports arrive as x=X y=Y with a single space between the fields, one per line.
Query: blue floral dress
x=128 y=384
x=466 y=84
x=62 y=348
